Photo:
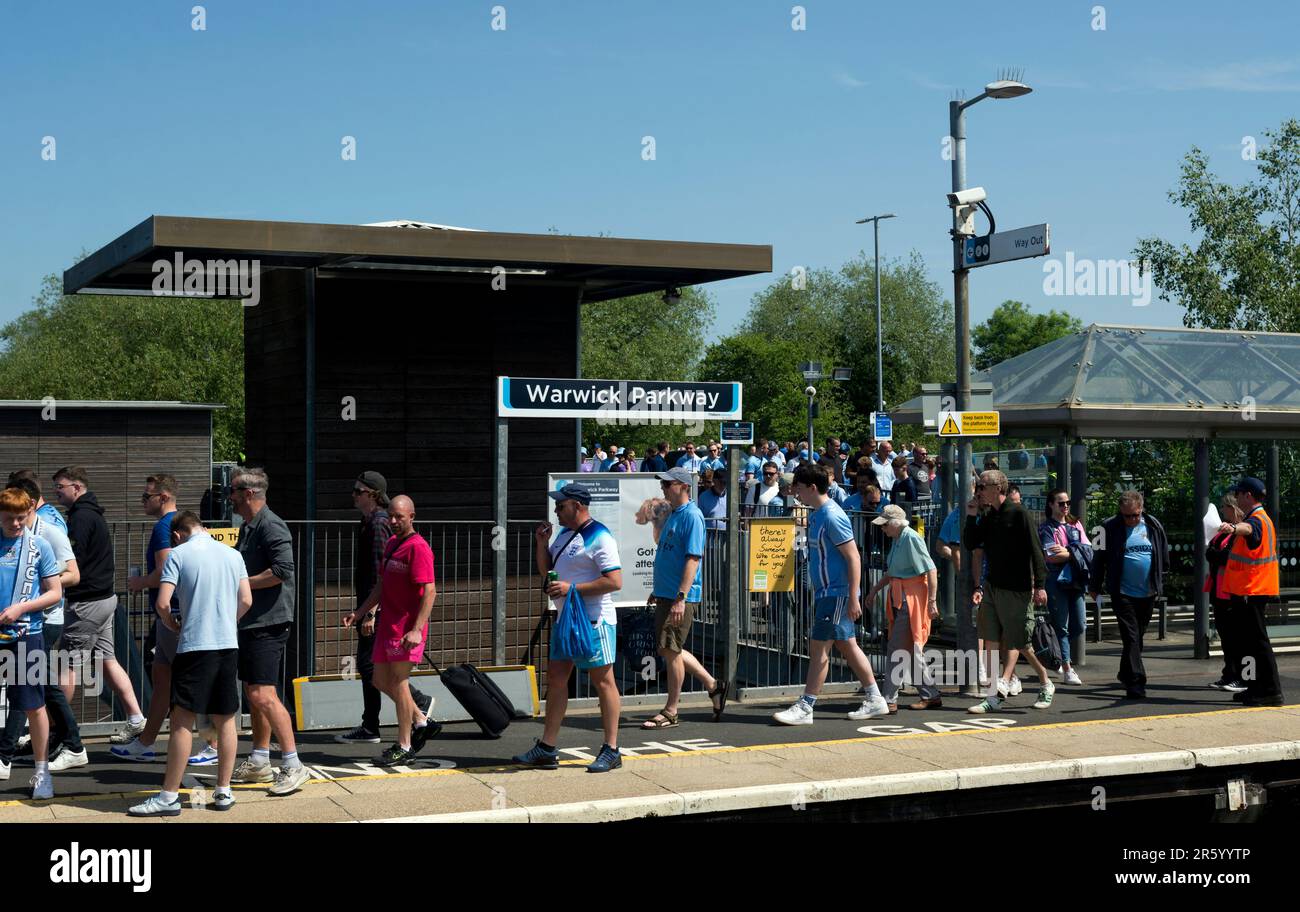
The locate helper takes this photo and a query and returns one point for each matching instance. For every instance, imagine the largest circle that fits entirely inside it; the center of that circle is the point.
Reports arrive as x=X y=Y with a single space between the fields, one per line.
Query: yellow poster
x=771 y=555
x=227 y=536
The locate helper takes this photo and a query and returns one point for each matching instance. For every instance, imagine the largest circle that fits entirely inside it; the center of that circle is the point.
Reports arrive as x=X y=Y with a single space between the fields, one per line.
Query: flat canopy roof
x=607 y=267
x=109 y=404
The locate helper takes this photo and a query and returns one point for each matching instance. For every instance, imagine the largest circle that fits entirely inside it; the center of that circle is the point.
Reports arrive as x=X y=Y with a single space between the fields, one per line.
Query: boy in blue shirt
x=835 y=569
x=29 y=583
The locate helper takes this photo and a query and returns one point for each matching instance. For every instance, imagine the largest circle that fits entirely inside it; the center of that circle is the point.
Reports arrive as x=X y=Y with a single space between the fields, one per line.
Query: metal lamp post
x=1002 y=88
x=880 y=345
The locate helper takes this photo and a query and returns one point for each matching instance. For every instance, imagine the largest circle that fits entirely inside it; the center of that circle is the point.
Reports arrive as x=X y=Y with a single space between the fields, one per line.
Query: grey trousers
x=905 y=662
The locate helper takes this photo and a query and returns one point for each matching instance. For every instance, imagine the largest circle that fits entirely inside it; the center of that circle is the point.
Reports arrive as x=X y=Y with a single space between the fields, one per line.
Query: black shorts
x=261 y=653
x=206 y=682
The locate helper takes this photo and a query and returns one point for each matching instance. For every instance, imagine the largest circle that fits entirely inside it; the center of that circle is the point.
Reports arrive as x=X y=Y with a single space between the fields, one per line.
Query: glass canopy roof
x=1153 y=368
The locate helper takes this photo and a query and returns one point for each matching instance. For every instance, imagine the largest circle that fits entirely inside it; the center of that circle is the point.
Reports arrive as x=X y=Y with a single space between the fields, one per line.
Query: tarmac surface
x=463 y=772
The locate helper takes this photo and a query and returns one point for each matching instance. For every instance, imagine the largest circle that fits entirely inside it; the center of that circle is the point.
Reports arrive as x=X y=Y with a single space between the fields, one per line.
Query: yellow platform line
x=504 y=766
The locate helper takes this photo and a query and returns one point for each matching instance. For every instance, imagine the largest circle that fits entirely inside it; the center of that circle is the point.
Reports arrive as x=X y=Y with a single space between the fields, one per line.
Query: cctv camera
x=968 y=197
x=810 y=391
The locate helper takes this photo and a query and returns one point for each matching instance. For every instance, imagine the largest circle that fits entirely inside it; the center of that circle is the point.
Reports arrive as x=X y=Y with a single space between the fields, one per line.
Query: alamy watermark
x=46 y=668
x=1097 y=278
x=194 y=278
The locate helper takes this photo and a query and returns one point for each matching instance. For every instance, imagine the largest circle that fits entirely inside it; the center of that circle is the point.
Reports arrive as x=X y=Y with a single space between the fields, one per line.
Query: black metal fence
x=772 y=638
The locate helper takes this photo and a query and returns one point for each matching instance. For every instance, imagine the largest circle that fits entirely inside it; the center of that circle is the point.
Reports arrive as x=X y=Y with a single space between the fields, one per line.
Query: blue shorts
x=23 y=671
x=605 y=634
x=831 y=619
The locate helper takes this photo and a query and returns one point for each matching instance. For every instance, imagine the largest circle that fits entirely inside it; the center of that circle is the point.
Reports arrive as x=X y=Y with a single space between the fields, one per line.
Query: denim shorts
x=831 y=619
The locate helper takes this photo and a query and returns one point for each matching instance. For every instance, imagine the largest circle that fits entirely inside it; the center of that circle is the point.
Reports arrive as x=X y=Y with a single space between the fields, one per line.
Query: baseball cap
x=682 y=476
x=803 y=454
x=1249 y=485
x=584 y=451
x=844 y=447
x=572 y=492
x=893 y=511
x=377 y=483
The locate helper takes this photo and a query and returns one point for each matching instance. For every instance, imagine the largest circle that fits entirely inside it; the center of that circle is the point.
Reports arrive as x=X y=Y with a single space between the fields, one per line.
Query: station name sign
x=534 y=397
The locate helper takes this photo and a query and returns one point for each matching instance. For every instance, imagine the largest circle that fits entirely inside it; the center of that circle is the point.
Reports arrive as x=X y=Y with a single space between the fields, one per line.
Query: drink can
x=552 y=577
x=136 y=570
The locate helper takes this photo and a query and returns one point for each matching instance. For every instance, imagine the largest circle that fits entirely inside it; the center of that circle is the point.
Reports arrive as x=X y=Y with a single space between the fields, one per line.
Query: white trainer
x=68 y=759
x=798 y=714
x=42 y=786
x=870 y=709
x=5 y=769
x=1071 y=677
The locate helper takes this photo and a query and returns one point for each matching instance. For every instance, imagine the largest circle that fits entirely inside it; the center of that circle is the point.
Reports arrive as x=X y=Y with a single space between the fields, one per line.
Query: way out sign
x=969 y=424
x=1017 y=244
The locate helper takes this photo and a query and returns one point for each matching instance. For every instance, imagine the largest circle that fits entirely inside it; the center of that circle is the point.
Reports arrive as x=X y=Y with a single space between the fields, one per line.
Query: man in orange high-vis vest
x=1252 y=582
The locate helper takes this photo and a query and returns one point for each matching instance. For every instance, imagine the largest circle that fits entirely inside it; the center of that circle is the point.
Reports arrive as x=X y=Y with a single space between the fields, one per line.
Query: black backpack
x=1045 y=643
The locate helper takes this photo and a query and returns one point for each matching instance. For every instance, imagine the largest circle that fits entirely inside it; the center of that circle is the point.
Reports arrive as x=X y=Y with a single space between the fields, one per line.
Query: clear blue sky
x=763 y=134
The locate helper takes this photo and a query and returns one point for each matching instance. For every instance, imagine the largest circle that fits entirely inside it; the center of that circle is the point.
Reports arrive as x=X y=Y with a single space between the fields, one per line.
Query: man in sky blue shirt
x=713 y=500
x=835 y=569
x=676 y=597
x=691 y=460
x=203 y=592
x=714 y=459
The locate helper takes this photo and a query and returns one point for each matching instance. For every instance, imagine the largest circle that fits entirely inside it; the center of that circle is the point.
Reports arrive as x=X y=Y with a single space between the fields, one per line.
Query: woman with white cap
x=913 y=584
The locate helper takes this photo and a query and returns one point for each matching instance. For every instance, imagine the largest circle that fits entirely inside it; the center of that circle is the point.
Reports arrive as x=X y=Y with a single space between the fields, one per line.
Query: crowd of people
x=861 y=480
x=222 y=616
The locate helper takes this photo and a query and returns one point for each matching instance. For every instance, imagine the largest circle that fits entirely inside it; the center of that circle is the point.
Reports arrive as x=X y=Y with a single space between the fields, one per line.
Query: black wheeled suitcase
x=482 y=699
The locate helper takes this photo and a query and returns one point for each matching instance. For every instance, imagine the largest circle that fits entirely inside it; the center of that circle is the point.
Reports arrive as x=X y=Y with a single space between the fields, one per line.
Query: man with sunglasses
x=159 y=501
x=765 y=499
x=714 y=460
x=1013 y=580
x=1130 y=567
x=370 y=497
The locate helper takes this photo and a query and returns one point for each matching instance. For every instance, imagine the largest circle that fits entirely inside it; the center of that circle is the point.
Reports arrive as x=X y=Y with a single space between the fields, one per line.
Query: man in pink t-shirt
x=404 y=593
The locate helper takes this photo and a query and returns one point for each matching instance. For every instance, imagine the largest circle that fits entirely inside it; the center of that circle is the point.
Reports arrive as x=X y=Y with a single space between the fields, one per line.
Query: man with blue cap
x=584 y=557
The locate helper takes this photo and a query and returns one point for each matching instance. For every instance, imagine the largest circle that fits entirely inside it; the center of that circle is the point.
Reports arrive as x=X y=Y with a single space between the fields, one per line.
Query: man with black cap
x=370 y=496
x=585 y=558
x=1252 y=582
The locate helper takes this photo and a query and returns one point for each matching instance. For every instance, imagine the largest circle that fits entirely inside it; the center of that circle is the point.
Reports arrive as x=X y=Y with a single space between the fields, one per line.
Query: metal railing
x=772 y=638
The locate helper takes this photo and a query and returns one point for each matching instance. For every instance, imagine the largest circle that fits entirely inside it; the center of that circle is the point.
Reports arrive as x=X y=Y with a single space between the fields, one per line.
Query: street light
x=812 y=372
x=880 y=345
x=1008 y=85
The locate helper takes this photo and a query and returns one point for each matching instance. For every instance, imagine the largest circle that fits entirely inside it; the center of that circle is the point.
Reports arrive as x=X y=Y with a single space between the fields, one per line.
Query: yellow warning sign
x=227 y=535
x=969 y=424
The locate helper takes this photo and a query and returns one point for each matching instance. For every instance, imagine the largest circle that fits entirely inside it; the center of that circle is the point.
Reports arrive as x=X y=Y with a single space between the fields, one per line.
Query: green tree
x=773 y=387
x=1012 y=329
x=146 y=348
x=830 y=316
x=1244 y=273
x=643 y=337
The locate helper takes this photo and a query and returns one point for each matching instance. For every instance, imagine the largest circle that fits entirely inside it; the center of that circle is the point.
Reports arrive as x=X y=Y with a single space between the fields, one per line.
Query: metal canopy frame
x=605 y=267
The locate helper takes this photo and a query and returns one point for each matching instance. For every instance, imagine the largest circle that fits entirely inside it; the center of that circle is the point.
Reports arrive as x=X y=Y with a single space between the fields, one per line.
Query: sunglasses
x=1128 y=516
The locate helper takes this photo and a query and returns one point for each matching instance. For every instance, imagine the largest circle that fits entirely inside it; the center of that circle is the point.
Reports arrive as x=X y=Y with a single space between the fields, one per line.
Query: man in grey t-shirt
x=267 y=549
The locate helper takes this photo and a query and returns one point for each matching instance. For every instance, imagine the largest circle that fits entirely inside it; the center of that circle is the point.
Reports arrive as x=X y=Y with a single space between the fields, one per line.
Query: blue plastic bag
x=573 y=638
